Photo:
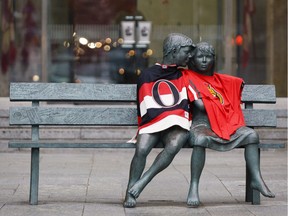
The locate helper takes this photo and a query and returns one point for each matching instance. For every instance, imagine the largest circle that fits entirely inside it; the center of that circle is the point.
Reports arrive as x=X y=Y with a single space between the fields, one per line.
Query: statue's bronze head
x=177 y=49
x=203 y=58
x=174 y=41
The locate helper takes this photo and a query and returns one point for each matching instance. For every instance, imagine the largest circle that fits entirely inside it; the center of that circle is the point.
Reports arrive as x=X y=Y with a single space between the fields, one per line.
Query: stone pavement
x=93 y=182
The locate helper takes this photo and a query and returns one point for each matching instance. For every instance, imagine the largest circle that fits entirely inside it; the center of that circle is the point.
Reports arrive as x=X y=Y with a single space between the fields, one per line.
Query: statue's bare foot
x=262 y=188
x=193 y=200
x=136 y=189
x=193 y=203
x=130 y=201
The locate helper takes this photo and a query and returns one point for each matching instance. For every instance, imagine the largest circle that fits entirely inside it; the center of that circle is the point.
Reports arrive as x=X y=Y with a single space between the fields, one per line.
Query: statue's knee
x=196 y=139
x=172 y=149
x=142 y=151
x=191 y=140
x=253 y=137
x=201 y=140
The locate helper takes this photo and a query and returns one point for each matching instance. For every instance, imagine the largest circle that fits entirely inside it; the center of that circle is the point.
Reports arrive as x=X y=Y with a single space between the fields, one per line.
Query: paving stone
x=93 y=182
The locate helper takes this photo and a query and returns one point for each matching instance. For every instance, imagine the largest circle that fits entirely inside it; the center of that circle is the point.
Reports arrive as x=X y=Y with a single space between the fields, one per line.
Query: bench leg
x=249 y=192
x=252 y=196
x=255 y=197
x=34 y=176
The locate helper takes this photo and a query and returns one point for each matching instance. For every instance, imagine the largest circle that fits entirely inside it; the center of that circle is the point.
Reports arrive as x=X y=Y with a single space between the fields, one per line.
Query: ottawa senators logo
x=165 y=93
x=216 y=94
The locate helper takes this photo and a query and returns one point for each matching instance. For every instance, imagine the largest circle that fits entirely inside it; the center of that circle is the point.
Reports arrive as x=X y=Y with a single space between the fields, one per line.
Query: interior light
x=131 y=52
x=149 y=52
x=107 y=48
x=144 y=55
x=91 y=45
x=98 y=44
x=35 y=78
x=121 y=71
x=83 y=41
x=66 y=44
x=239 y=40
x=120 y=40
x=138 y=72
x=108 y=40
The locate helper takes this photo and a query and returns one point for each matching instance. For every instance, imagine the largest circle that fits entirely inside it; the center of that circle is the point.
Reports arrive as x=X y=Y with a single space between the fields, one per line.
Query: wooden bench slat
x=272 y=145
x=72 y=92
x=260 y=118
x=108 y=116
x=67 y=144
x=73 y=144
x=110 y=92
x=259 y=94
x=72 y=116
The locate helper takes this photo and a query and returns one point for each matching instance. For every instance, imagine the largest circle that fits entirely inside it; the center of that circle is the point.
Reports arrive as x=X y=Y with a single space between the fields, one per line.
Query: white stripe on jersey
x=193 y=92
x=165 y=123
x=149 y=102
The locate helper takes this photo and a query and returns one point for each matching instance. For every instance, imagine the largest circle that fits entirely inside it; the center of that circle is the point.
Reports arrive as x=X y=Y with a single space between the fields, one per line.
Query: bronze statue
x=163 y=114
x=217 y=120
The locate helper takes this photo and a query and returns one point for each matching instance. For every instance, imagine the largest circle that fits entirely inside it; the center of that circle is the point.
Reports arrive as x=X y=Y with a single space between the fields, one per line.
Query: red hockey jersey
x=221 y=95
x=162 y=99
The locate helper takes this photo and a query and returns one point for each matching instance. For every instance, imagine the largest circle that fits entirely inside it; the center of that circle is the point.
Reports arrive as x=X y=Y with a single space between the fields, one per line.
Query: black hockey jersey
x=162 y=99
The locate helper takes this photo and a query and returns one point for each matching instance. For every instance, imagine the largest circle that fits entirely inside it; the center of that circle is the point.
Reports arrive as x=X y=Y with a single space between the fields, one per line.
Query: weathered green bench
x=115 y=110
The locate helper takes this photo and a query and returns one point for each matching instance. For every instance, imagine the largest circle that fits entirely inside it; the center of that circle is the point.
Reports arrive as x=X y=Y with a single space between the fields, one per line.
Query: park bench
x=109 y=105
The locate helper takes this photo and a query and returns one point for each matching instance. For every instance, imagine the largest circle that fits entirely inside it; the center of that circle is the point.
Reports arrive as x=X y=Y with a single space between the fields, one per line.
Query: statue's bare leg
x=160 y=163
x=197 y=164
x=145 y=143
x=173 y=139
x=253 y=164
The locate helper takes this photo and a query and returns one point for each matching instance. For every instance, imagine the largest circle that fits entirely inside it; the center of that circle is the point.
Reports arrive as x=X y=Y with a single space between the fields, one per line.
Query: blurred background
x=106 y=41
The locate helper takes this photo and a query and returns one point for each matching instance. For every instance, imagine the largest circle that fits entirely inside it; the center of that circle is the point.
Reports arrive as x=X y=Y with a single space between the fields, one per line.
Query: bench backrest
x=116 y=104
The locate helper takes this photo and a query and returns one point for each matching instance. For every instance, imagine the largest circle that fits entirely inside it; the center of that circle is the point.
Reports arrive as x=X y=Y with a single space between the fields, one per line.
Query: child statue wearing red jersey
x=217 y=119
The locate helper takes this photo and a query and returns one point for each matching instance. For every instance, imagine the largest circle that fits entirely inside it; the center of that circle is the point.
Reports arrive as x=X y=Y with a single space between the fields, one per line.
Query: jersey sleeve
x=192 y=92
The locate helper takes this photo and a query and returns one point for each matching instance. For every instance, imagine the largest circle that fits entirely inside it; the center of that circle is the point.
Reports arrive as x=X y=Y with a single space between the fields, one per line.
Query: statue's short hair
x=175 y=41
x=205 y=48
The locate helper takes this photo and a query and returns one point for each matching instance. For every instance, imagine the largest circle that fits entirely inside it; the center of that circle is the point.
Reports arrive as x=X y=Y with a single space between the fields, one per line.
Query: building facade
x=106 y=41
